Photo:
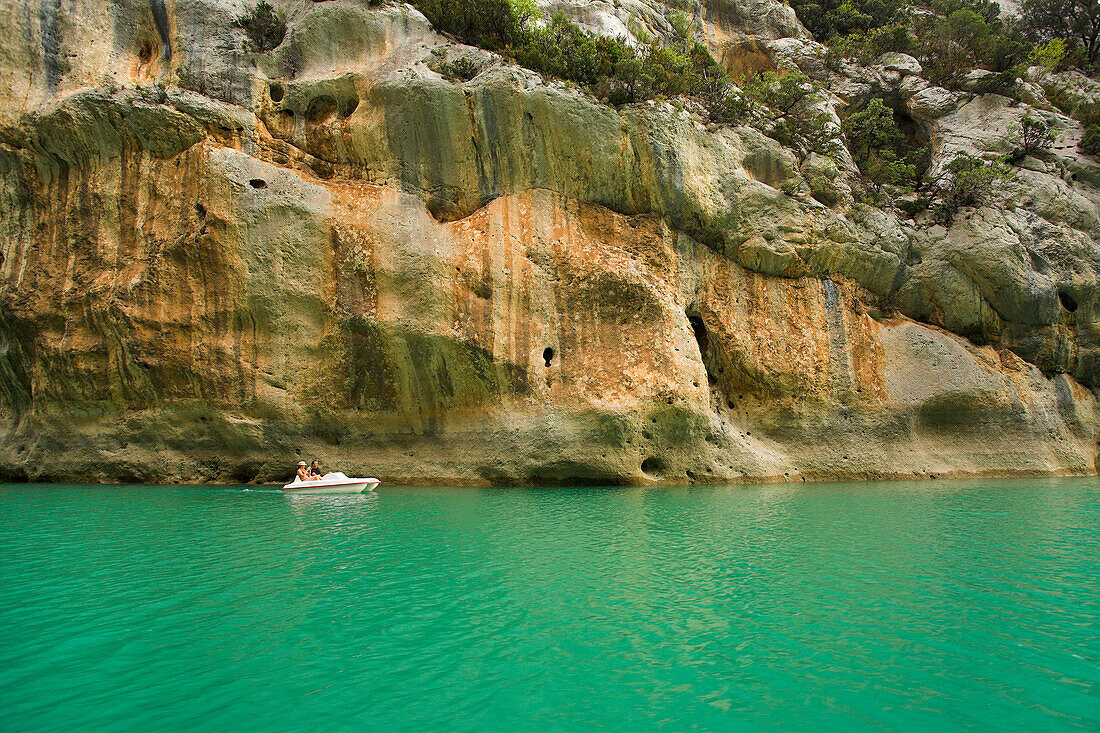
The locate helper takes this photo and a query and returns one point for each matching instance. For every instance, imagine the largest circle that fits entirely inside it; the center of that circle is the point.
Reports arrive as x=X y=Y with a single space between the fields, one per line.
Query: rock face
x=214 y=261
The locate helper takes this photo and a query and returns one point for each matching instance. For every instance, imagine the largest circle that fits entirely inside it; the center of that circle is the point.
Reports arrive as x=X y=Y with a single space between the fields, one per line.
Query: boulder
x=931 y=103
x=901 y=63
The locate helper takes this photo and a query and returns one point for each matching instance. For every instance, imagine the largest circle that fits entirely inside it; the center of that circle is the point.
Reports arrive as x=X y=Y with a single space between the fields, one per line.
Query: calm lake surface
x=874 y=606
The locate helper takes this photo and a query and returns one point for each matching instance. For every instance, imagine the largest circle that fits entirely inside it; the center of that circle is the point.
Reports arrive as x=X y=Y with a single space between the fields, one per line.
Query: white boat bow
x=331 y=483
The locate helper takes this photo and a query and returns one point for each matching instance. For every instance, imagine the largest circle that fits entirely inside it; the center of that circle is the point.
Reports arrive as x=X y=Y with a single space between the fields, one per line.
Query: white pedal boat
x=331 y=483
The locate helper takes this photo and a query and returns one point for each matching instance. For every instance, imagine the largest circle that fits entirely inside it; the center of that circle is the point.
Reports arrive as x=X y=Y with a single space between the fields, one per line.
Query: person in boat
x=315 y=471
x=303 y=472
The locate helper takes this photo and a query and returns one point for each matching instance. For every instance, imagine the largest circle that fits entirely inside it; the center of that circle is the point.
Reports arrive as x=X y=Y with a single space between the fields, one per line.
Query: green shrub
x=828 y=18
x=265 y=28
x=966 y=181
x=1075 y=22
x=493 y=24
x=878 y=146
x=605 y=67
x=1090 y=141
x=785 y=105
x=1035 y=135
x=948 y=37
x=866 y=47
x=462 y=69
x=1048 y=54
x=953 y=46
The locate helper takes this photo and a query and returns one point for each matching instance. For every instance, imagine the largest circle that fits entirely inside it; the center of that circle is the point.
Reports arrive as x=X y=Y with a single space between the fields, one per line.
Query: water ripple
x=852 y=607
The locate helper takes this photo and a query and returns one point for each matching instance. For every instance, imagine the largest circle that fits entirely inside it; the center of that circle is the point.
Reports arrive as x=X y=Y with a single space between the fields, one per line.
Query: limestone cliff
x=213 y=261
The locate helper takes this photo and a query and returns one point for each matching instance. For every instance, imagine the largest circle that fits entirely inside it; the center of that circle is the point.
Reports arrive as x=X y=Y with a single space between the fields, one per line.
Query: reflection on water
x=933 y=605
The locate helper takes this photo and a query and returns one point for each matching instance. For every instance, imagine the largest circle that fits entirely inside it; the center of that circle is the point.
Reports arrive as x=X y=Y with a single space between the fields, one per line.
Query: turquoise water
x=895 y=606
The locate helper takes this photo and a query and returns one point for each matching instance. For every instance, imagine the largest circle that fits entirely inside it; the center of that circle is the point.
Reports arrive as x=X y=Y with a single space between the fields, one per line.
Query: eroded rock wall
x=214 y=261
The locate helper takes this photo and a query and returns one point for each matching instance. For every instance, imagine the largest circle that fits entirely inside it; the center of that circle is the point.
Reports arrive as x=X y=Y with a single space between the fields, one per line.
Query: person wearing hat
x=303 y=472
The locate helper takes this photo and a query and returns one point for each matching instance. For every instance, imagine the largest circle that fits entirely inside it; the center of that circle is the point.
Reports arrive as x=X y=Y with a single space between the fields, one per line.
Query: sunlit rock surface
x=215 y=261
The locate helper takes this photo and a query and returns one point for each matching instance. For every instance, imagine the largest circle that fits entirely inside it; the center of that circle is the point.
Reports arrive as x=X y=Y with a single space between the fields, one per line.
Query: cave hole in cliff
x=916 y=136
x=321 y=110
x=700 y=330
x=200 y=210
x=14 y=475
x=276 y=91
x=145 y=55
x=548 y=355
x=702 y=338
x=1067 y=301
x=653 y=466
x=257 y=183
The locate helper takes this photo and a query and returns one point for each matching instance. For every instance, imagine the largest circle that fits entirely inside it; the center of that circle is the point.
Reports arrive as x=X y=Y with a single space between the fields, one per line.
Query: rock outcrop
x=214 y=261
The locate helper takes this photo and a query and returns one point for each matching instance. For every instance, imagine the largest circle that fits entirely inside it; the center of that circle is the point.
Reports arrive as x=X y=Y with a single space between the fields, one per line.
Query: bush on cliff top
x=951 y=37
x=948 y=37
x=784 y=106
x=605 y=67
x=1075 y=22
x=781 y=105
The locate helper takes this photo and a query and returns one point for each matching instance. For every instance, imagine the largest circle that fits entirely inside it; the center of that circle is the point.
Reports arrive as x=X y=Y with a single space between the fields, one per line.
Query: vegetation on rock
x=953 y=37
x=879 y=147
x=1090 y=141
x=1075 y=22
x=462 y=69
x=780 y=105
x=1048 y=55
x=606 y=67
x=1035 y=135
x=786 y=109
x=266 y=28
x=965 y=181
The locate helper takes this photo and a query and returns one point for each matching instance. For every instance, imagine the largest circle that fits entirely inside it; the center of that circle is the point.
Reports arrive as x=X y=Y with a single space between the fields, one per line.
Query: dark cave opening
x=1067 y=301
x=701 y=336
x=548 y=355
x=653 y=466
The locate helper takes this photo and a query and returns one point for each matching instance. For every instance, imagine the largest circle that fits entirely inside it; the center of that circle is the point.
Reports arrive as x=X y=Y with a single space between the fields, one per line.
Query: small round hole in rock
x=276 y=92
x=548 y=355
x=258 y=183
x=1067 y=301
x=653 y=466
x=200 y=210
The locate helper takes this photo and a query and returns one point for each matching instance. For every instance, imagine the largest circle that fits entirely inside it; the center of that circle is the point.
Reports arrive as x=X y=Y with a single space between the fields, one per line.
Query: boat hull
x=332 y=484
